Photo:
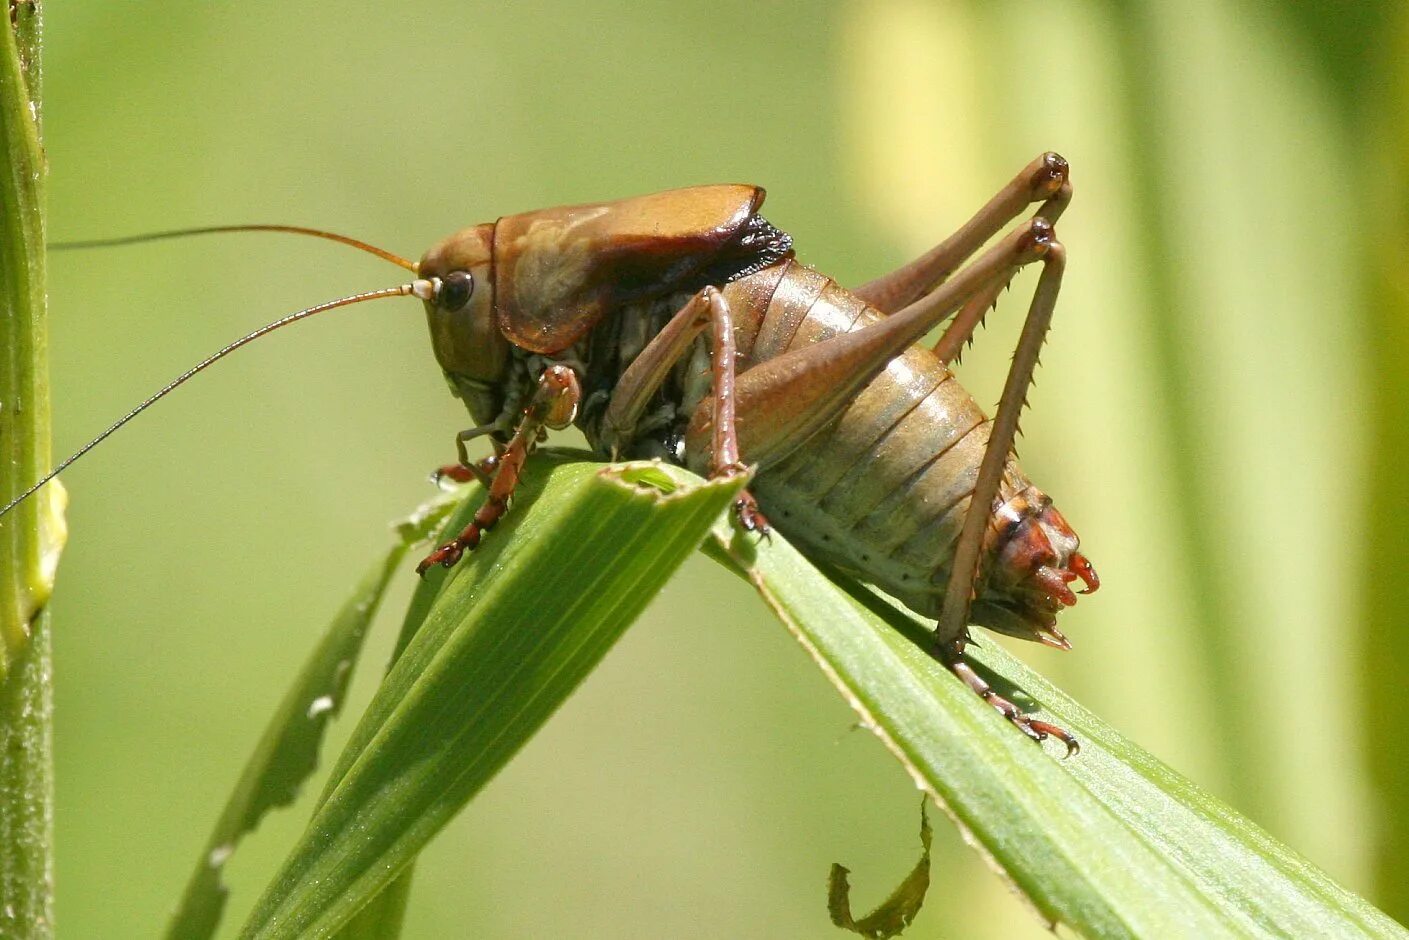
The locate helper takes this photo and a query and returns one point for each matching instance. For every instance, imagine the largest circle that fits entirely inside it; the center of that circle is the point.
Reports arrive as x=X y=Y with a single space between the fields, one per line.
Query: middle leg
x=642 y=379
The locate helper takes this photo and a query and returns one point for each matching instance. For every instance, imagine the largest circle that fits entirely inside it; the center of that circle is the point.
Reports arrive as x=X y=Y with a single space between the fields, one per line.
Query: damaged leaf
x=897 y=911
x=288 y=751
x=517 y=626
x=1110 y=843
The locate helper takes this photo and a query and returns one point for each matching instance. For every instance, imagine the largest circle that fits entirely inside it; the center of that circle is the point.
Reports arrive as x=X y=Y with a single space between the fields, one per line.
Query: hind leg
x=952 y=655
x=951 y=633
x=1045 y=180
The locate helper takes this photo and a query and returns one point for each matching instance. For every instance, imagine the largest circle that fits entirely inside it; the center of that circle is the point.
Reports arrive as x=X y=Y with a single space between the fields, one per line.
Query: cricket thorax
x=613 y=346
x=619 y=339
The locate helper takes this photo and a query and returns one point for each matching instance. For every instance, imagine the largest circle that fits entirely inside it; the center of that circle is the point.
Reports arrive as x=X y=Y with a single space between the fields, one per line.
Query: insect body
x=681 y=326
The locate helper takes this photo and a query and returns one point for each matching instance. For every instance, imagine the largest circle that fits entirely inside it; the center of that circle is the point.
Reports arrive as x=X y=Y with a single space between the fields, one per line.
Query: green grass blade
x=33 y=534
x=383 y=917
x=1111 y=843
x=517 y=626
x=287 y=753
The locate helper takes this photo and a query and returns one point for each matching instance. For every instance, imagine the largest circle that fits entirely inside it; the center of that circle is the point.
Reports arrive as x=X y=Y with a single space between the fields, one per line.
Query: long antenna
x=220 y=229
x=425 y=289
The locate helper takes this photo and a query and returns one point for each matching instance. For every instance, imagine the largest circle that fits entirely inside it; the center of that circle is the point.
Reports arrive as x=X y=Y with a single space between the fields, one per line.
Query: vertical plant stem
x=32 y=535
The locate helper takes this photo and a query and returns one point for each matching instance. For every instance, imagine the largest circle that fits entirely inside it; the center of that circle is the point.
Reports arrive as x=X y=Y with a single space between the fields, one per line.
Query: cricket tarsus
x=951 y=654
x=751 y=518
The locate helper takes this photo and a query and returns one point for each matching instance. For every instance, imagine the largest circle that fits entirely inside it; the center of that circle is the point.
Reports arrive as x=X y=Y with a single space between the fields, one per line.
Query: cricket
x=681 y=326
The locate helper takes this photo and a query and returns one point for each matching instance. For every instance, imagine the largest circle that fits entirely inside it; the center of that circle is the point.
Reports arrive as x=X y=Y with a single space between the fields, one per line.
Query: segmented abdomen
x=882 y=491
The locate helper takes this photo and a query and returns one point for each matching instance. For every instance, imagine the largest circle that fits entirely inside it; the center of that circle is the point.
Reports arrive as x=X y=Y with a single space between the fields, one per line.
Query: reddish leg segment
x=554 y=404
x=463 y=472
x=952 y=655
x=467 y=469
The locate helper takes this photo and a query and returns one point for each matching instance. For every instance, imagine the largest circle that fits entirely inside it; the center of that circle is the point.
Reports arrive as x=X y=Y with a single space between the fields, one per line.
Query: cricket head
x=1029 y=572
x=468 y=344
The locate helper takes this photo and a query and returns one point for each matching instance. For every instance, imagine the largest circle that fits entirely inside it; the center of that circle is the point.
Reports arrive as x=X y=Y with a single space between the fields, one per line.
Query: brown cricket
x=681 y=326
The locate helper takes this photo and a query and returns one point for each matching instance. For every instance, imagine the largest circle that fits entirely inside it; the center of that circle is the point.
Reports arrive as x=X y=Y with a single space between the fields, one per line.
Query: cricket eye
x=456 y=289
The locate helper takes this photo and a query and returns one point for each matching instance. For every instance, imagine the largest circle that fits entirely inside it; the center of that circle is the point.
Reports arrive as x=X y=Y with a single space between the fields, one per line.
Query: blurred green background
x=1221 y=413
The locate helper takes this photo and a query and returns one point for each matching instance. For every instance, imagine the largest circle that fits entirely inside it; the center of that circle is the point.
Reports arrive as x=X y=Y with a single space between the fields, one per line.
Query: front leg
x=467 y=469
x=463 y=472
x=554 y=405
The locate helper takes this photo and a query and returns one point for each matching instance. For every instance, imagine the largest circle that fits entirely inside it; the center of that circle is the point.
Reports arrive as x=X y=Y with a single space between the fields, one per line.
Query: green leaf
x=32 y=536
x=897 y=911
x=382 y=917
x=287 y=753
x=1111 y=843
x=518 y=625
